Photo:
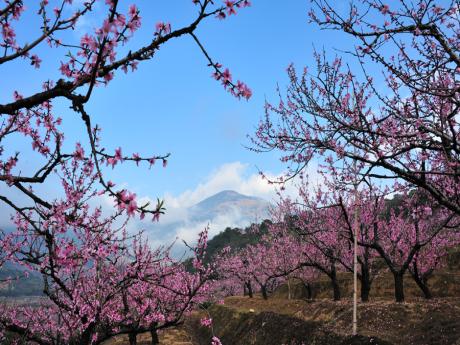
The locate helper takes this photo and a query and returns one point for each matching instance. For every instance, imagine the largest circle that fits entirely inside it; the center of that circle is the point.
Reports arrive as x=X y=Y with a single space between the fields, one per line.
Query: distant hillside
x=26 y=285
x=226 y=209
x=236 y=238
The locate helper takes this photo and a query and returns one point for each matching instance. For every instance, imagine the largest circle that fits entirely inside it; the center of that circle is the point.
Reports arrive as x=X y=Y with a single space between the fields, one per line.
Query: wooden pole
x=355 y=276
x=355 y=263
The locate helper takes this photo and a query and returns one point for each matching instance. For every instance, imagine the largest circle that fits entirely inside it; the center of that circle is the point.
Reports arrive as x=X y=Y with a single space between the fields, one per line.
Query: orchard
x=384 y=138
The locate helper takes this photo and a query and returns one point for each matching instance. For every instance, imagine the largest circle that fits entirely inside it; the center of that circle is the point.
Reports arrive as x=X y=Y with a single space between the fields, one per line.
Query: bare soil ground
x=245 y=321
x=174 y=336
x=414 y=322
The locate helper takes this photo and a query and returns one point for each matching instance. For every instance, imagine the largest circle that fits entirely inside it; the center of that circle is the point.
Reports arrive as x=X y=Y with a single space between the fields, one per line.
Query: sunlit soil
x=417 y=321
x=174 y=336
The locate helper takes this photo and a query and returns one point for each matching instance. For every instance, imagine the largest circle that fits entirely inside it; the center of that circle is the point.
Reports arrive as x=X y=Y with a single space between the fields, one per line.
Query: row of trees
x=95 y=275
x=390 y=125
x=99 y=280
x=314 y=235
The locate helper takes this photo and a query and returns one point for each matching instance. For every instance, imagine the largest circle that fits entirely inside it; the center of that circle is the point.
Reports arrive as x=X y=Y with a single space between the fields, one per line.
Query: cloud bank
x=178 y=224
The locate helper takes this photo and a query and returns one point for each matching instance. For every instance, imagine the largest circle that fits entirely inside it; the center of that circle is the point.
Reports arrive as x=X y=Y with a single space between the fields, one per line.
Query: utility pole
x=355 y=267
x=355 y=256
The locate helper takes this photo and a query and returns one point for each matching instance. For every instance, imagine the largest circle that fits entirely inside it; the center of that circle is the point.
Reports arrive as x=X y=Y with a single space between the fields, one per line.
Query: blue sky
x=171 y=104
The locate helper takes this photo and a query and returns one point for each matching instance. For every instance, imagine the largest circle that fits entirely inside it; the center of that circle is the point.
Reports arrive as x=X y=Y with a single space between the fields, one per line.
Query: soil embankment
x=278 y=320
x=244 y=321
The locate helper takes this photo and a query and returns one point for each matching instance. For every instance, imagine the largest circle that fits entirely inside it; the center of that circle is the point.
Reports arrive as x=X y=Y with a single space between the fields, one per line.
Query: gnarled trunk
x=399 y=286
x=336 y=288
x=289 y=289
x=421 y=279
x=132 y=338
x=263 y=289
x=423 y=285
x=365 y=283
x=154 y=336
x=308 y=288
x=335 y=284
x=365 y=290
x=250 y=292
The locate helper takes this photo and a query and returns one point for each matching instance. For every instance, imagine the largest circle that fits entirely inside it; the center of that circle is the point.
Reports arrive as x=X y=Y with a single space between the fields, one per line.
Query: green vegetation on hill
x=31 y=285
x=236 y=238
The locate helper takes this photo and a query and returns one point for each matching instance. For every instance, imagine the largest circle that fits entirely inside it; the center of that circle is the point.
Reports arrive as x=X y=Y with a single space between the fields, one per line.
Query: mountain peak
x=225 y=196
x=228 y=192
x=230 y=202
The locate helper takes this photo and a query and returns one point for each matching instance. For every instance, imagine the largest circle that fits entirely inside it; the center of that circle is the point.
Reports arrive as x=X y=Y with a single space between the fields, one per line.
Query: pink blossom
x=384 y=9
x=162 y=27
x=215 y=341
x=118 y=154
x=230 y=7
x=206 y=322
x=35 y=61
x=133 y=11
x=79 y=152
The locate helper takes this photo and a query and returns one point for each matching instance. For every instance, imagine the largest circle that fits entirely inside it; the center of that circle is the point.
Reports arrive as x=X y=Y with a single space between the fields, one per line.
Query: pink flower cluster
x=239 y=90
x=230 y=7
x=215 y=341
x=206 y=322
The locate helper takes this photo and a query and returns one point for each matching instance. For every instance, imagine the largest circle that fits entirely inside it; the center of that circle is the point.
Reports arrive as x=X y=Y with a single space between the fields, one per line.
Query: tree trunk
x=423 y=285
x=154 y=335
x=132 y=338
x=250 y=292
x=87 y=334
x=336 y=288
x=309 y=292
x=399 y=286
x=289 y=289
x=365 y=283
x=421 y=279
x=263 y=289
x=245 y=292
x=335 y=284
x=365 y=289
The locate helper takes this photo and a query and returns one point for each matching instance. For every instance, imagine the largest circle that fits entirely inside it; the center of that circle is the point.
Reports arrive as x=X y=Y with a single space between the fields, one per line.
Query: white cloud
x=177 y=224
x=229 y=176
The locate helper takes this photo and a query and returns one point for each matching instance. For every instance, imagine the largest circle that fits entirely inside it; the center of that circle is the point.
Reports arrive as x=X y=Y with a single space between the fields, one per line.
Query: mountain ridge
x=245 y=207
